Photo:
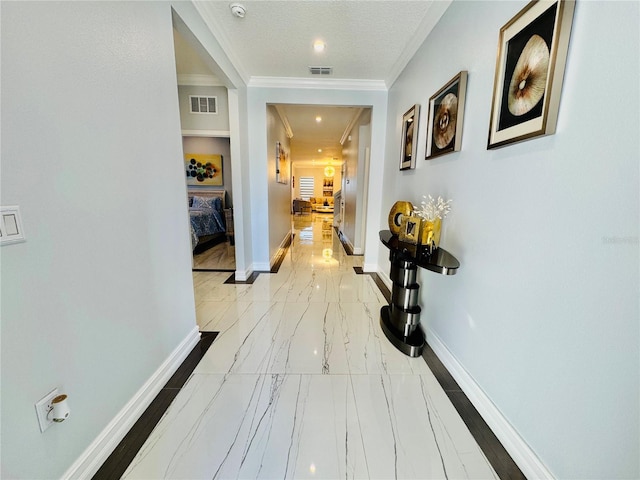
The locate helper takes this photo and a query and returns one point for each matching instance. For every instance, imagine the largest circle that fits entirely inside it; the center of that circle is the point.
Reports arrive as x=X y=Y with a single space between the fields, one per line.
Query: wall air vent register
x=203 y=104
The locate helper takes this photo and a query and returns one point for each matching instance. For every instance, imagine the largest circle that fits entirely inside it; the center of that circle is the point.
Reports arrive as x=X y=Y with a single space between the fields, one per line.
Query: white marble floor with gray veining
x=302 y=383
x=219 y=257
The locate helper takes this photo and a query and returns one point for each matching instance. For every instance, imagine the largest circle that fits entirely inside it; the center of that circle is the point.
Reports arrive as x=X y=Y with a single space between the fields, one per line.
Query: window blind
x=306 y=187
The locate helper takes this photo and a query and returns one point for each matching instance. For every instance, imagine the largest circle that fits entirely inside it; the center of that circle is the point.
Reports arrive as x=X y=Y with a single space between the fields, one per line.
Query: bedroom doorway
x=211 y=207
x=203 y=101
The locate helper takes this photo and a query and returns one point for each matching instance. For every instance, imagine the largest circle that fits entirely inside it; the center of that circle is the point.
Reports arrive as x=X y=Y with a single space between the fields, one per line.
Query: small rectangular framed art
x=409 y=138
x=532 y=52
x=282 y=166
x=446 y=115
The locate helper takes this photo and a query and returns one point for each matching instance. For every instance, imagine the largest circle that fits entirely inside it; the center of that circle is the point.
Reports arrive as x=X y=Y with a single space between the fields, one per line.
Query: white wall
x=201 y=121
x=258 y=98
x=101 y=293
x=353 y=152
x=543 y=313
x=216 y=146
x=279 y=193
x=350 y=191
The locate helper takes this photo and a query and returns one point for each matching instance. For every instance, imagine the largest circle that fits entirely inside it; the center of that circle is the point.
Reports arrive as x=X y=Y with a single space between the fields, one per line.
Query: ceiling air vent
x=320 y=70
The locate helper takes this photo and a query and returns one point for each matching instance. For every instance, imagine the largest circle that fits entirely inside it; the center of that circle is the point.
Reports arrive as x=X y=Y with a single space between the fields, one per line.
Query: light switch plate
x=11 y=229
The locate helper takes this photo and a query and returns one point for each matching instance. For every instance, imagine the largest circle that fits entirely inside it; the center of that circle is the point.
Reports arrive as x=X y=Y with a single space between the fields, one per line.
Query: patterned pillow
x=211 y=203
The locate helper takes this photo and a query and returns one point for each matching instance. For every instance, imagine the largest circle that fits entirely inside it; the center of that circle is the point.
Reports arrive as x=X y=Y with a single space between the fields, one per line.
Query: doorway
x=204 y=118
x=328 y=148
x=214 y=247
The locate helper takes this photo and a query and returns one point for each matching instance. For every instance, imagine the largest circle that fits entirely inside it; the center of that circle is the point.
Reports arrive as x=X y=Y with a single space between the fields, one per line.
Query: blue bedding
x=206 y=218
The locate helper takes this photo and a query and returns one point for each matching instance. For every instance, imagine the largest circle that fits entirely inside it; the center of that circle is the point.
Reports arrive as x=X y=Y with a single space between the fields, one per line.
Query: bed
x=207 y=219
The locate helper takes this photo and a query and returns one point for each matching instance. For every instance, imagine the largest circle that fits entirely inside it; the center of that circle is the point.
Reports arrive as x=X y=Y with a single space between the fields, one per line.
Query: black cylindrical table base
x=411 y=344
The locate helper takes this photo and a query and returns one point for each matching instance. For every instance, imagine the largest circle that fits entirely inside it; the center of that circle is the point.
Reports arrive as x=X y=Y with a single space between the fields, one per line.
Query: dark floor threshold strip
x=283 y=253
x=212 y=270
x=347 y=248
x=117 y=463
x=249 y=281
x=376 y=278
x=498 y=457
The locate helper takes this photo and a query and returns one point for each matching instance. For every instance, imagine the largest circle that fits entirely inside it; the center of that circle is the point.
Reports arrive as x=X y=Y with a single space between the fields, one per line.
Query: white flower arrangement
x=432 y=209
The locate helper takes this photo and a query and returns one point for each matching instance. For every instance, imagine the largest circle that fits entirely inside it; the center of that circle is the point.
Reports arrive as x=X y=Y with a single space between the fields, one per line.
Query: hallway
x=302 y=383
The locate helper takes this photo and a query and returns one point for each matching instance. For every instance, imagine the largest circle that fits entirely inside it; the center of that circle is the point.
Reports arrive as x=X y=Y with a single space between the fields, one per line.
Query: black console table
x=400 y=320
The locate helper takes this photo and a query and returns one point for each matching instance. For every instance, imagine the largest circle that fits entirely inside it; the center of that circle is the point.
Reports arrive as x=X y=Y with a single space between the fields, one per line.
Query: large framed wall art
x=446 y=114
x=203 y=169
x=532 y=52
x=409 y=138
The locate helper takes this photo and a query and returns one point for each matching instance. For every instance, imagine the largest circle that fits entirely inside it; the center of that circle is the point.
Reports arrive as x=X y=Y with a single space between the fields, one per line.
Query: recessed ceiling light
x=319 y=150
x=319 y=46
x=318 y=119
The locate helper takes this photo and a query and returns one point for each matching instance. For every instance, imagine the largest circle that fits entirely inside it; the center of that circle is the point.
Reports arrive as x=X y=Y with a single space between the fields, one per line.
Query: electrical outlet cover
x=43 y=406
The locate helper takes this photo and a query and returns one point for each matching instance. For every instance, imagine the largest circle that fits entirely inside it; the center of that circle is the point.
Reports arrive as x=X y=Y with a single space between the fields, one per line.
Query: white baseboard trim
x=346 y=240
x=386 y=279
x=284 y=245
x=261 y=267
x=242 y=276
x=370 y=268
x=95 y=455
x=525 y=458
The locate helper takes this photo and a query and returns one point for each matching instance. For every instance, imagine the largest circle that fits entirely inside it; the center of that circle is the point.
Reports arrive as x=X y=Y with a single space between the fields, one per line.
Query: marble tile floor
x=302 y=383
x=219 y=257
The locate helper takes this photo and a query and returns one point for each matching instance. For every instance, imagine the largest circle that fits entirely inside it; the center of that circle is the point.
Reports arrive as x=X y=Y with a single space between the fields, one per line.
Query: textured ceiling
x=367 y=40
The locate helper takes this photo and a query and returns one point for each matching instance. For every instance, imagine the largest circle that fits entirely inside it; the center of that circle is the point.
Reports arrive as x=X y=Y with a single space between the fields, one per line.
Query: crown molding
x=353 y=121
x=199 y=80
x=206 y=133
x=435 y=12
x=313 y=83
x=284 y=120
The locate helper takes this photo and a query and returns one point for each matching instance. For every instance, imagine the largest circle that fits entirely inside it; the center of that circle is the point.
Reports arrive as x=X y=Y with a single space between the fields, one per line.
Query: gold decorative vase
x=430 y=236
x=399 y=210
